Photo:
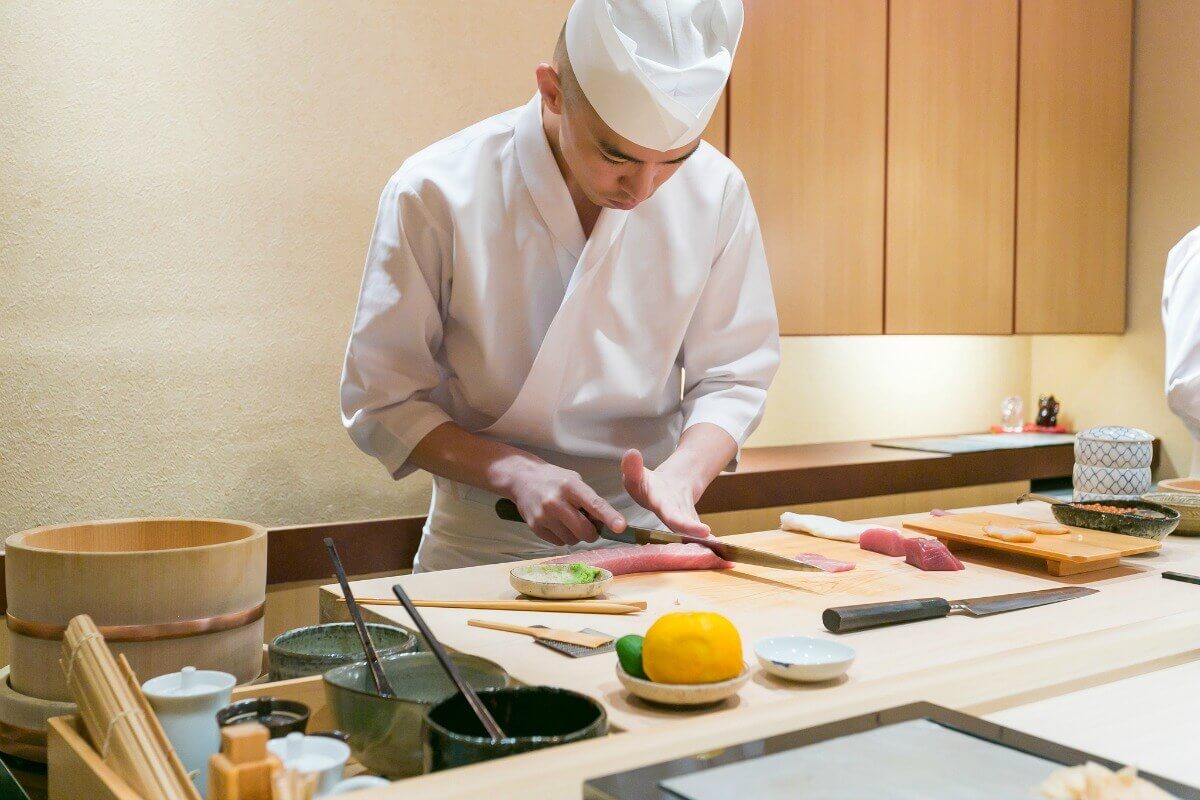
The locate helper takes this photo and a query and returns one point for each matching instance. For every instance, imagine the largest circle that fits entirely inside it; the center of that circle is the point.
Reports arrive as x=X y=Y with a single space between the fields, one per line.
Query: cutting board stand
x=1059 y=569
x=1080 y=551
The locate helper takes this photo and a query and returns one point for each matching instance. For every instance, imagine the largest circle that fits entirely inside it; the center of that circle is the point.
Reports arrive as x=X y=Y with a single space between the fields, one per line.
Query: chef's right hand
x=550 y=500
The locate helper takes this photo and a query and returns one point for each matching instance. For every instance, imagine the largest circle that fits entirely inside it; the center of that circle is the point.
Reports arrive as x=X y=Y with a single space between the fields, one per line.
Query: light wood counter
x=1136 y=623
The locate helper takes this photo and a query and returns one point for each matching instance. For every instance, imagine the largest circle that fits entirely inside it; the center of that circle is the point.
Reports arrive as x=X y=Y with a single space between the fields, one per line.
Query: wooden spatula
x=551 y=634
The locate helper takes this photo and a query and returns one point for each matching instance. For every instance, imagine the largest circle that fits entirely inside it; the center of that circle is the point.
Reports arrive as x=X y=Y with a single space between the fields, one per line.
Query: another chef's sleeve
x=1181 y=326
x=390 y=372
x=731 y=347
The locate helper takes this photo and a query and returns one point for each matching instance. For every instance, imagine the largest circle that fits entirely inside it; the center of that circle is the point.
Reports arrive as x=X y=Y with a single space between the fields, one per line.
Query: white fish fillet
x=825 y=527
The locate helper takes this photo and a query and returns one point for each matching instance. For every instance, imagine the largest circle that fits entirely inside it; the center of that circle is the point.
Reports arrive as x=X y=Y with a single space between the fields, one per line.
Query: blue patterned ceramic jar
x=1114 y=447
x=1112 y=482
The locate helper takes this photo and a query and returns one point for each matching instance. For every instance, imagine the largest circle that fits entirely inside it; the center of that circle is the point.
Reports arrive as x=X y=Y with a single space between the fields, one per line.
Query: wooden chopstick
x=563 y=606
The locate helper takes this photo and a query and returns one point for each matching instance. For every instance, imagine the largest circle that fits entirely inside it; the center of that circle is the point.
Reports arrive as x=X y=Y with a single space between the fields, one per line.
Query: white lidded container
x=1125 y=483
x=186 y=704
x=1114 y=447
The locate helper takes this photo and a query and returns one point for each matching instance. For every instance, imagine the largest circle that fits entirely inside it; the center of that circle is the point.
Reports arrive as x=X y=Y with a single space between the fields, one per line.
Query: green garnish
x=564 y=573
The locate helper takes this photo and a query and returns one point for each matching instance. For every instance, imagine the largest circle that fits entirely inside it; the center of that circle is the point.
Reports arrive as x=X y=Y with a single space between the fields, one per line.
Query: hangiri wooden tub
x=168 y=593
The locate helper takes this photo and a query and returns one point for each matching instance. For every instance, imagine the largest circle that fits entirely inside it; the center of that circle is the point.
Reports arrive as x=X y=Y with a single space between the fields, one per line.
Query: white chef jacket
x=1181 y=324
x=482 y=303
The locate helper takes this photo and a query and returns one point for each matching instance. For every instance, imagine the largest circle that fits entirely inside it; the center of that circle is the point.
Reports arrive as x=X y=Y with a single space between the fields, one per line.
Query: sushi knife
x=507 y=509
x=844 y=619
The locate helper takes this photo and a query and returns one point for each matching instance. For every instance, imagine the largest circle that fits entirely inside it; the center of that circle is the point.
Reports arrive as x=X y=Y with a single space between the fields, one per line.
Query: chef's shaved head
x=572 y=93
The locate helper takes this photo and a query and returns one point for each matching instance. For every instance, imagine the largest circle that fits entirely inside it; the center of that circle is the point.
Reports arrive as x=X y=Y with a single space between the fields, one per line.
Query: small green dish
x=316 y=649
x=532 y=718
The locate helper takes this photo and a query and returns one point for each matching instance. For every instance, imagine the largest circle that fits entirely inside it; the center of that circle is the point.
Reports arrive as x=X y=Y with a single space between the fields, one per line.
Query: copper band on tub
x=154 y=632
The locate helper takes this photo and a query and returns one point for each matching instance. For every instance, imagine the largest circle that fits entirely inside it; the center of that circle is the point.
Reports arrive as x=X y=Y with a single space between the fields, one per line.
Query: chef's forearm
x=704 y=450
x=451 y=452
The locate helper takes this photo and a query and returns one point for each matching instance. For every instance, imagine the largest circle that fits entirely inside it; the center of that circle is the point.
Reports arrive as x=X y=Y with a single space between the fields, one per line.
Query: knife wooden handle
x=872 y=615
x=507 y=509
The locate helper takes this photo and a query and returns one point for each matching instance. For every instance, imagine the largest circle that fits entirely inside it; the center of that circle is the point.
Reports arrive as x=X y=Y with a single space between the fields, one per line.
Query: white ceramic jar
x=186 y=704
x=1109 y=481
x=1114 y=447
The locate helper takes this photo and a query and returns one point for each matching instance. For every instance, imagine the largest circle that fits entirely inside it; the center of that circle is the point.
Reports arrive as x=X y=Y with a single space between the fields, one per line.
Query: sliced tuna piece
x=824 y=562
x=647 y=558
x=930 y=555
x=882 y=540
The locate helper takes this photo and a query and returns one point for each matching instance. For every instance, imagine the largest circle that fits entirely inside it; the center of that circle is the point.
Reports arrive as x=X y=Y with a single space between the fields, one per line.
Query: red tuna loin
x=647 y=558
x=882 y=540
x=822 y=562
x=930 y=555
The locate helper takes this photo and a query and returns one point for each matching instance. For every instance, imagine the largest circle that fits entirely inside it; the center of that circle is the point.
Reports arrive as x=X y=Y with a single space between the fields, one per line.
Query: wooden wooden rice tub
x=167 y=593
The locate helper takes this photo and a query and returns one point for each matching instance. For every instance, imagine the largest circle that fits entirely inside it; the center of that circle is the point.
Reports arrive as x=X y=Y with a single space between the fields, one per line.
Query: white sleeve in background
x=1181 y=324
x=390 y=371
x=731 y=346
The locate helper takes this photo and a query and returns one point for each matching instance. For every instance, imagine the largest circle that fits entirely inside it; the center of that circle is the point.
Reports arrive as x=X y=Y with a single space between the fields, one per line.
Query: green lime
x=629 y=653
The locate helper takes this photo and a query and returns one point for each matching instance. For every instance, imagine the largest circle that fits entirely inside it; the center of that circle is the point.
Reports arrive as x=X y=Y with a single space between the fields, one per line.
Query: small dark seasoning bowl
x=279 y=717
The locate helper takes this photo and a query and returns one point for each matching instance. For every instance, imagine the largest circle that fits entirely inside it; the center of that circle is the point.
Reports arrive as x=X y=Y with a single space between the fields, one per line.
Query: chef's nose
x=642 y=181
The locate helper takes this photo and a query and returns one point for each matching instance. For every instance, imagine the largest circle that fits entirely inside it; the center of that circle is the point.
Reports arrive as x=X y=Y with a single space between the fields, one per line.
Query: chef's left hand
x=668 y=495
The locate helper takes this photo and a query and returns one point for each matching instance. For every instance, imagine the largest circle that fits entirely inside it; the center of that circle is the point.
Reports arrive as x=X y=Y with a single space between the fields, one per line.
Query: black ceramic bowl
x=532 y=718
x=279 y=717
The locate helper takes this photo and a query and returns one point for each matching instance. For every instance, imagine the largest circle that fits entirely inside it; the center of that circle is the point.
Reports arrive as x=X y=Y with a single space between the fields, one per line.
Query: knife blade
x=844 y=619
x=739 y=554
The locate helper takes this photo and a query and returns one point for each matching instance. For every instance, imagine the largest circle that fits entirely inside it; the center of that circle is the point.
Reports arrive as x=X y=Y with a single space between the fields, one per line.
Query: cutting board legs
x=1063 y=568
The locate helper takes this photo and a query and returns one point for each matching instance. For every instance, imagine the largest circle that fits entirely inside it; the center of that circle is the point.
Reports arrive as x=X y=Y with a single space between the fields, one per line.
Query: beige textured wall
x=1119 y=379
x=186 y=192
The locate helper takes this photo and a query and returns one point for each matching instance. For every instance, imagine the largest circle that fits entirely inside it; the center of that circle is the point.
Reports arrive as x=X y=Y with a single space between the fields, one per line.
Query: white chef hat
x=653 y=69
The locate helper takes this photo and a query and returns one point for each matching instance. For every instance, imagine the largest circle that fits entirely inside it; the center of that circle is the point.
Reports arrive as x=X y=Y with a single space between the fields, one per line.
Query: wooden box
x=75 y=770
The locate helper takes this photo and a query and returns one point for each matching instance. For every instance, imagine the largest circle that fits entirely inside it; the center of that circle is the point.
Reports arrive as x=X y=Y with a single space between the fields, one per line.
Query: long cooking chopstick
x=564 y=606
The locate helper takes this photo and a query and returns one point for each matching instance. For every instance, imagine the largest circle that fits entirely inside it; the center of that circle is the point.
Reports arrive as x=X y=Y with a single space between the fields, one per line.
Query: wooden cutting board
x=1081 y=550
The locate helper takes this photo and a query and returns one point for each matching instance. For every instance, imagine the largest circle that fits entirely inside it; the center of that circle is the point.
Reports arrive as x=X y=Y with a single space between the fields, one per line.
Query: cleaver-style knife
x=507 y=509
x=872 y=615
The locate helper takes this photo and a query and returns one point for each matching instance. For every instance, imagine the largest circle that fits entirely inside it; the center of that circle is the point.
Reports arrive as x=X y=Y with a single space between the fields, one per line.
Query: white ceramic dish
x=681 y=694
x=526 y=581
x=1110 y=481
x=804 y=658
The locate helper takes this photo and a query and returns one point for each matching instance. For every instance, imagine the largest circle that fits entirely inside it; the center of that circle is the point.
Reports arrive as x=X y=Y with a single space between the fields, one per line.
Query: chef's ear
x=551 y=88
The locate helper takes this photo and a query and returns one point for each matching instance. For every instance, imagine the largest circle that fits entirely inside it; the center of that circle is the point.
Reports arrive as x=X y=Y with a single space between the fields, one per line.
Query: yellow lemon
x=692 y=647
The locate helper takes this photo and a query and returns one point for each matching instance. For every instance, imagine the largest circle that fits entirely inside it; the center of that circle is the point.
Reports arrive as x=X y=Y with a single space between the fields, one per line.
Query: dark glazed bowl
x=385 y=732
x=1128 y=524
x=532 y=717
x=279 y=717
x=316 y=649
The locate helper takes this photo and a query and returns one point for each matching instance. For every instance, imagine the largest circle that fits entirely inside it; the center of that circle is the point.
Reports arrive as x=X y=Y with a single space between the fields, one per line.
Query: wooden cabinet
x=1072 y=166
x=951 y=166
x=807 y=127
x=937 y=166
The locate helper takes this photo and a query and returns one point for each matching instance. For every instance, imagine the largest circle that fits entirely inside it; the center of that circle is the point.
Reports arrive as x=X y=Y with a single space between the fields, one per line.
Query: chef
x=1181 y=323
x=568 y=304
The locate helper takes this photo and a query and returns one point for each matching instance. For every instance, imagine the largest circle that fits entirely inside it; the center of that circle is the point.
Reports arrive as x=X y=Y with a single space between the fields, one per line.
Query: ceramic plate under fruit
x=804 y=658
x=683 y=694
x=533 y=580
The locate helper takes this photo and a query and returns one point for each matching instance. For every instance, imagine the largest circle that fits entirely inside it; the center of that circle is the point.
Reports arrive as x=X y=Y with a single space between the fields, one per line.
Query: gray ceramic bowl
x=318 y=648
x=385 y=732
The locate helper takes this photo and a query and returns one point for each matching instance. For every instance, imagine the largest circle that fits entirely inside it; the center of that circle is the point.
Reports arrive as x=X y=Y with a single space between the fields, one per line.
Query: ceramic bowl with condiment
x=532 y=718
x=683 y=694
x=560 y=581
x=315 y=649
x=280 y=717
x=385 y=732
x=804 y=658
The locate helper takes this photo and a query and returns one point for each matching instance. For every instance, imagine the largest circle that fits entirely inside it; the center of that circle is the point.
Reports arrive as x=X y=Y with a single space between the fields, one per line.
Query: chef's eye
x=612 y=160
